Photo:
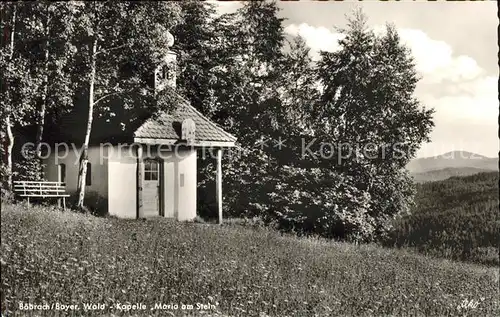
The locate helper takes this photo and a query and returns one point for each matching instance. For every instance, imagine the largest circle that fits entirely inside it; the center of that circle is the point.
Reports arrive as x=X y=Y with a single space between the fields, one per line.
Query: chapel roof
x=168 y=126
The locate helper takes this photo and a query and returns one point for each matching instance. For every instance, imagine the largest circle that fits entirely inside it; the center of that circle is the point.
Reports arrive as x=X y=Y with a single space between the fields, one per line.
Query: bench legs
x=58 y=201
x=63 y=202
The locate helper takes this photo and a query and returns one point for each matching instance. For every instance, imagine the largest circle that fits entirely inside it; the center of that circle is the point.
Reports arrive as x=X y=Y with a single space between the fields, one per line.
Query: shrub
x=94 y=203
x=28 y=167
x=6 y=194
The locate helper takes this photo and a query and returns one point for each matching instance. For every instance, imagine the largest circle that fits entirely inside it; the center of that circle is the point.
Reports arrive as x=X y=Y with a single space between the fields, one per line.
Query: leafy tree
x=195 y=36
x=52 y=53
x=122 y=44
x=368 y=105
x=232 y=64
x=46 y=31
x=35 y=79
x=9 y=21
x=249 y=101
x=18 y=84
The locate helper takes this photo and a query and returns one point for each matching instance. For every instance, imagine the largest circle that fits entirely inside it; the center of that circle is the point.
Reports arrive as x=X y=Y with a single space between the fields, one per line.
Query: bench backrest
x=39 y=188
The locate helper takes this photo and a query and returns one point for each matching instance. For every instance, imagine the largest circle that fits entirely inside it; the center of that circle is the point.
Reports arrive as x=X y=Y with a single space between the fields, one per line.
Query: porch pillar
x=219 y=184
x=140 y=164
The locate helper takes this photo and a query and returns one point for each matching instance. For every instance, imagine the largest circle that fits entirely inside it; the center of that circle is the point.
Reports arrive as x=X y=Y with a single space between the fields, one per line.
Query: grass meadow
x=50 y=257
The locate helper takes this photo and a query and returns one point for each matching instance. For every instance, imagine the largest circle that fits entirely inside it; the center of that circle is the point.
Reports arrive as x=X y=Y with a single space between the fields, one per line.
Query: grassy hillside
x=54 y=257
x=456 y=218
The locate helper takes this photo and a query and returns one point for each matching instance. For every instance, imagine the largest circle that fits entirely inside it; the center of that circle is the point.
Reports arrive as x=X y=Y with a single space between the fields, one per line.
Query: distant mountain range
x=457 y=163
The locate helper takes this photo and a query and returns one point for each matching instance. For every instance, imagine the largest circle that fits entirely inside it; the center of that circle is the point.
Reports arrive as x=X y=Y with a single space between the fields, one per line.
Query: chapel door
x=151 y=188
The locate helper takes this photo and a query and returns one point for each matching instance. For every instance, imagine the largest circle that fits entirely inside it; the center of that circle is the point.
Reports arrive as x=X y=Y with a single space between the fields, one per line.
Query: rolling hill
x=445 y=173
x=457 y=163
x=455 y=218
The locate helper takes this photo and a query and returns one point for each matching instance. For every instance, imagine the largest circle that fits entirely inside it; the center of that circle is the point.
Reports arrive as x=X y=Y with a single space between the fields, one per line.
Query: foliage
x=51 y=256
x=120 y=47
x=46 y=64
x=456 y=218
x=47 y=44
x=241 y=77
x=372 y=124
x=14 y=89
x=34 y=61
x=263 y=88
x=125 y=64
x=95 y=203
x=197 y=53
x=28 y=167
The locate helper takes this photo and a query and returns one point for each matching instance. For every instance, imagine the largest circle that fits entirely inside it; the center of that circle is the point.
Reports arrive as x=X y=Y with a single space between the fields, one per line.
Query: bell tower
x=165 y=74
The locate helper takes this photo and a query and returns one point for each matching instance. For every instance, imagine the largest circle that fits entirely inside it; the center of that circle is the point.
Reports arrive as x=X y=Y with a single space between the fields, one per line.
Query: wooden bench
x=41 y=189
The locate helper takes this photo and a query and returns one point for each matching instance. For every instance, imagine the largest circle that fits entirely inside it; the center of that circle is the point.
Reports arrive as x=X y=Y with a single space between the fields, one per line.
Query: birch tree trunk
x=10 y=146
x=8 y=119
x=82 y=171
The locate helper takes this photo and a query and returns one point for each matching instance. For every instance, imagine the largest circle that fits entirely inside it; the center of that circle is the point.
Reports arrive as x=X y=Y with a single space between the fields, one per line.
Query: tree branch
x=106 y=96
x=112 y=48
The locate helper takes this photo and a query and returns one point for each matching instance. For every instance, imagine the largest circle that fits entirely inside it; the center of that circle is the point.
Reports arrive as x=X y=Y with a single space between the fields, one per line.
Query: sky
x=455 y=48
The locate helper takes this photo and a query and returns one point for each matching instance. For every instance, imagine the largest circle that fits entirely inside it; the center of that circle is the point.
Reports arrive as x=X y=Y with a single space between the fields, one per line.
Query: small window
x=88 y=179
x=150 y=170
x=165 y=72
x=62 y=173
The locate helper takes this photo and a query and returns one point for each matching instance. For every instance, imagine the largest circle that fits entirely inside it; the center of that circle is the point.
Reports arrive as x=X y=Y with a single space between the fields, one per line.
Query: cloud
x=465 y=118
x=465 y=99
x=316 y=38
x=223 y=7
x=435 y=59
x=473 y=102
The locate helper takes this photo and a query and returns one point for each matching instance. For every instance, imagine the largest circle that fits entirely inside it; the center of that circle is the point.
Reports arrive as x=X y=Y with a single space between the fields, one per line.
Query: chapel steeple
x=165 y=74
